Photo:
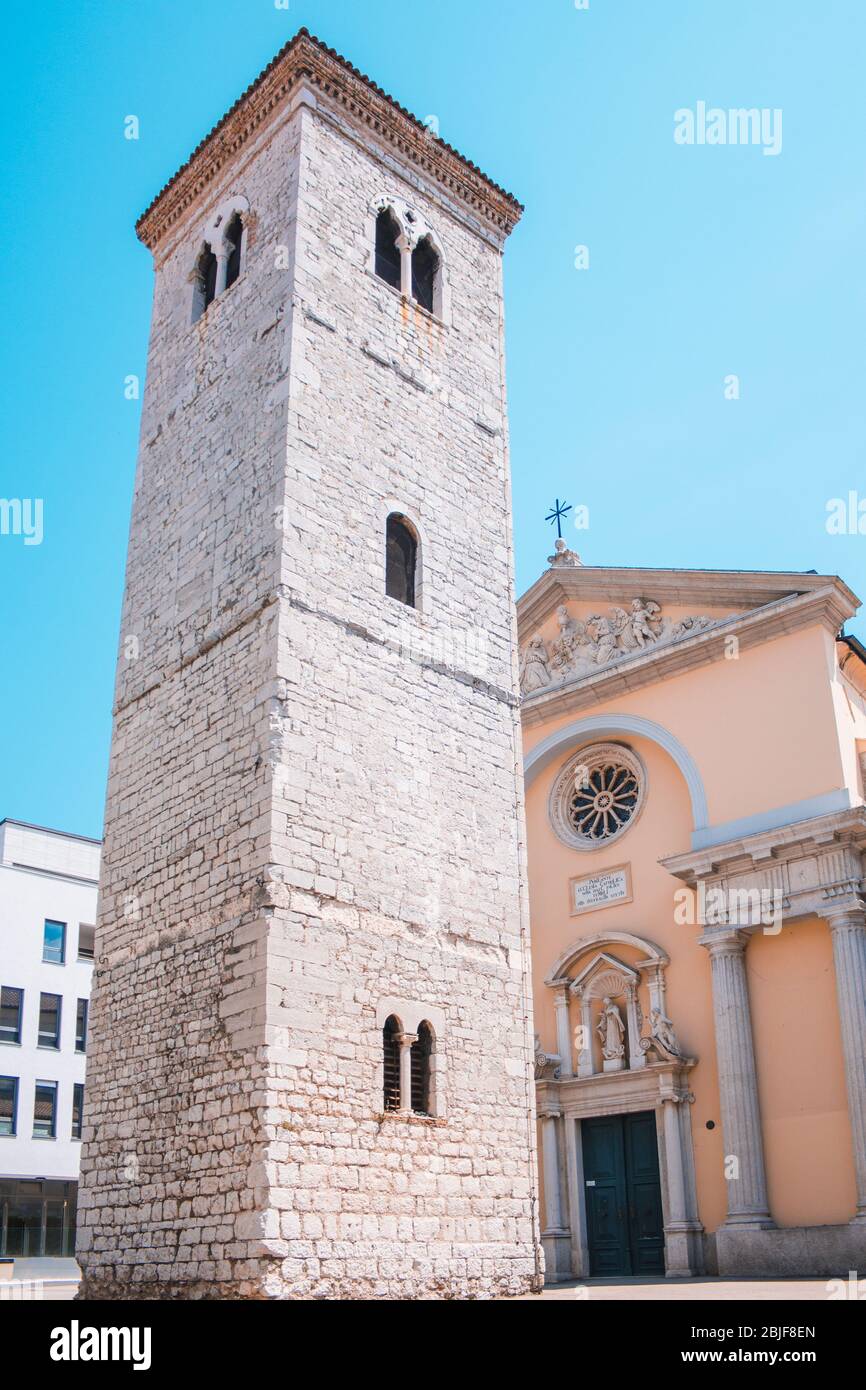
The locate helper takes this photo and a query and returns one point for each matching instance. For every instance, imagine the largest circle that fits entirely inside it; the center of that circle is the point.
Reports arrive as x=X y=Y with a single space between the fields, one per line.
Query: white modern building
x=48 y=883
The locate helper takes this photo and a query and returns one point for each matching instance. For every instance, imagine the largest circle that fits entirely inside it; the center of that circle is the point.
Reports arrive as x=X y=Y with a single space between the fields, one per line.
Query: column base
x=790 y=1251
x=556 y=1243
x=683 y=1249
x=749 y=1221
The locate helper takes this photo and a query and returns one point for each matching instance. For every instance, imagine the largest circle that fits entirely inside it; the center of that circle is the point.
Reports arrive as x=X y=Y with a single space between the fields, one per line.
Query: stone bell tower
x=311 y=1061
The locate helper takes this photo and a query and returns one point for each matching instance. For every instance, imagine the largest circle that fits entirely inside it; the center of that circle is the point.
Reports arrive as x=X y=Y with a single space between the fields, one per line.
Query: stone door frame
x=662 y=1087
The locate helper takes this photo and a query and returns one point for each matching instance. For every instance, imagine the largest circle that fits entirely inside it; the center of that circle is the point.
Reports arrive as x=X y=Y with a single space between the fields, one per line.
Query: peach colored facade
x=714 y=1117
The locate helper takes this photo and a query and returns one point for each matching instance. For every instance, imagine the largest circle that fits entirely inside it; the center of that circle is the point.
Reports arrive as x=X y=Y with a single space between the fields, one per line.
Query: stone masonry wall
x=314 y=800
x=397 y=858
x=172 y=1176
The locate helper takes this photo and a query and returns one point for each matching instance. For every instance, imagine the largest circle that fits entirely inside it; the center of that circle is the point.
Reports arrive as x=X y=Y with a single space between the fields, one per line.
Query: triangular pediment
x=604 y=974
x=582 y=629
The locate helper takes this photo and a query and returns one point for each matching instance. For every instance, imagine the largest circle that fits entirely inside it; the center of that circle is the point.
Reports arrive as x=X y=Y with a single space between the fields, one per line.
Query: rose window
x=597 y=795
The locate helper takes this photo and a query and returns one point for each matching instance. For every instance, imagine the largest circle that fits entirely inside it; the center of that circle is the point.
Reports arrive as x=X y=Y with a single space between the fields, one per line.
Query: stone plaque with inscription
x=602 y=889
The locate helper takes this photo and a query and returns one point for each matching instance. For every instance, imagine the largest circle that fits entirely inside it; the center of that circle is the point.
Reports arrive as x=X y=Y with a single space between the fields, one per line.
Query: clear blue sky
x=704 y=261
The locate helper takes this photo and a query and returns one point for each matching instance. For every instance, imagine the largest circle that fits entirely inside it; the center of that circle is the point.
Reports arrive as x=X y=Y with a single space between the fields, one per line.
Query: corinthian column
x=848 y=932
x=738 y=1080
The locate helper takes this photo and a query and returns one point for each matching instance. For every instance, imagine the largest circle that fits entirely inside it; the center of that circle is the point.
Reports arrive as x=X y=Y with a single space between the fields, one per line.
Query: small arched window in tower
x=425 y=268
x=204 y=287
x=401 y=557
x=387 y=250
x=233 y=236
x=391 y=1059
x=421 y=1053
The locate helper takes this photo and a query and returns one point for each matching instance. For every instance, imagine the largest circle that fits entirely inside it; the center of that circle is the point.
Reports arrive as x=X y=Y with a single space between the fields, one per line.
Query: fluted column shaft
x=738 y=1079
x=550 y=1159
x=848 y=933
x=674 y=1158
x=563 y=1034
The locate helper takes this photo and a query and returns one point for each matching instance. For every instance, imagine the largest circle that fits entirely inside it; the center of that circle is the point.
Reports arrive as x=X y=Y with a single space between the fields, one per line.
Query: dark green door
x=623 y=1197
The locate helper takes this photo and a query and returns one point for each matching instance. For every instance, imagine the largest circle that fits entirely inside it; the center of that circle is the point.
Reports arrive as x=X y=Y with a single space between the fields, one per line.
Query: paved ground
x=684 y=1290
x=58 y=1279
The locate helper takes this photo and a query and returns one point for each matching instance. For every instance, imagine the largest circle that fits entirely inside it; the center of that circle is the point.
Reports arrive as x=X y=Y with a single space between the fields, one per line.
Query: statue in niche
x=534 y=666
x=611 y=1030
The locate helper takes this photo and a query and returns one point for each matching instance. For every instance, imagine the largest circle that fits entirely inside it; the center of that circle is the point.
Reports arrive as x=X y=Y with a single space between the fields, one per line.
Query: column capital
x=406 y=1039
x=850 y=917
x=725 y=941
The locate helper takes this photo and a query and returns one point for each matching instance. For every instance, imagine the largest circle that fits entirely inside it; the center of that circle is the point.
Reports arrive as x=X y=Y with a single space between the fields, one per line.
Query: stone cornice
x=692 y=588
x=306 y=58
x=805 y=837
x=804 y=869
x=829 y=604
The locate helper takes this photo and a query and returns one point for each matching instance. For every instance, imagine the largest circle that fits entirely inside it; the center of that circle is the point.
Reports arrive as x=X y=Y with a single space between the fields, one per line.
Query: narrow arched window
x=233 y=236
x=387 y=250
x=421 y=1052
x=391 y=1059
x=204 y=286
x=425 y=268
x=401 y=557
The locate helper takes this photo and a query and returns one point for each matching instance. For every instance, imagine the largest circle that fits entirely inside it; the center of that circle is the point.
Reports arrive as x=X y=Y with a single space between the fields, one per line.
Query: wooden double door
x=625 y=1226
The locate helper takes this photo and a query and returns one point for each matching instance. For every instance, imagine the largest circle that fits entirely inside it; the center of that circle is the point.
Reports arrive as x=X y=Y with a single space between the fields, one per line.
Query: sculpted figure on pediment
x=574 y=648
x=534 y=665
x=581 y=648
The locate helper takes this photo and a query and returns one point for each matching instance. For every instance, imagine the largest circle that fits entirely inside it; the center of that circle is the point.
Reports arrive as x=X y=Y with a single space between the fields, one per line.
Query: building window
x=204 y=283
x=86 y=942
x=425 y=268
x=233 y=238
x=597 y=796
x=421 y=1052
x=45 y=1110
x=81 y=1026
x=77 y=1109
x=11 y=1009
x=8 y=1104
x=387 y=249
x=37 y=1217
x=49 y=1020
x=391 y=1057
x=54 y=943
x=401 y=559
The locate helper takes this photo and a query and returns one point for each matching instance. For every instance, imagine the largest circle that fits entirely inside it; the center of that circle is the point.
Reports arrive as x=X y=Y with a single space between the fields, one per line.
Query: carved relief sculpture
x=534 y=665
x=663 y=1039
x=585 y=648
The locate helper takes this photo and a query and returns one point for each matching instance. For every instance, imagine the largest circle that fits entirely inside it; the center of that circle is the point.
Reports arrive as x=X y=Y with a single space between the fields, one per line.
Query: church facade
x=694 y=753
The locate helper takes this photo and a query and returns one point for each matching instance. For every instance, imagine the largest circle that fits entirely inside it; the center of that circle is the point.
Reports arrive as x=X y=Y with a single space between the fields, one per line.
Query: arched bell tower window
x=391 y=1060
x=401 y=560
x=420 y=1055
x=233 y=237
x=204 y=290
x=425 y=268
x=387 y=249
